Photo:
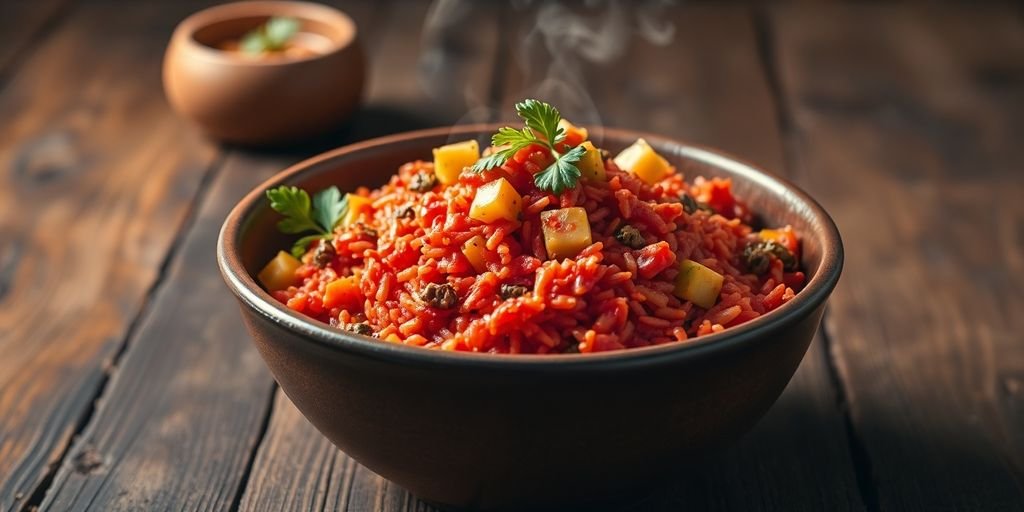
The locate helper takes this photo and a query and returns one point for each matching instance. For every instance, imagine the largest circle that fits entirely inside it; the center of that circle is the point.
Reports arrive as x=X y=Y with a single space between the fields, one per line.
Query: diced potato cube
x=566 y=232
x=496 y=200
x=279 y=274
x=356 y=205
x=698 y=284
x=450 y=160
x=343 y=293
x=641 y=160
x=474 y=251
x=573 y=134
x=591 y=165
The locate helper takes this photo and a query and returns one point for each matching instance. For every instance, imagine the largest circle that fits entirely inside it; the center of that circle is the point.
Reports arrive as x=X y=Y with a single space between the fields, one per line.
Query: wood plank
x=296 y=468
x=24 y=25
x=909 y=134
x=173 y=430
x=185 y=406
x=795 y=460
x=712 y=90
x=96 y=176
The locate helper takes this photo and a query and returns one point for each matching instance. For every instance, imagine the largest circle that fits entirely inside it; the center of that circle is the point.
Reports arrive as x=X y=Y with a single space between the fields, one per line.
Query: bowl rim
x=185 y=31
x=814 y=294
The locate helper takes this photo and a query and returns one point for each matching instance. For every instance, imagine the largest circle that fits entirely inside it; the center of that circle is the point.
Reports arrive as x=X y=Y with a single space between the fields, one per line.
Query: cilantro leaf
x=511 y=136
x=272 y=36
x=253 y=42
x=510 y=141
x=496 y=159
x=562 y=174
x=329 y=206
x=543 y=119
x=302 y=245
x=279 y=30
x=542 y=128
x=294 y=204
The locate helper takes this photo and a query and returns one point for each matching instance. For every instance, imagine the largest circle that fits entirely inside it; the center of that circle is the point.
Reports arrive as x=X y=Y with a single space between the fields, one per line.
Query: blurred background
x=127 y=382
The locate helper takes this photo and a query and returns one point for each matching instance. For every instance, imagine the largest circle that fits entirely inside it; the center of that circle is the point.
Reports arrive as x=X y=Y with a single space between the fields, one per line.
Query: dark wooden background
x=127 y=381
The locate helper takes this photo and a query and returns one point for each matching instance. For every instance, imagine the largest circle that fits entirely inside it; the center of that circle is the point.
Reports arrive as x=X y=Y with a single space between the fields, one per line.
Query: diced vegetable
x=474 y=251
x=496 y=200
x=591 y=165
x=758 y=255
x=573 y=134
x=566 y=232
x=630 y=237
x=279 y=274
x=698 y=284
x=450 y=160
x=343 y=293
x=782 y=236
x=654 y=258
x=356 y=205
x=641 y=160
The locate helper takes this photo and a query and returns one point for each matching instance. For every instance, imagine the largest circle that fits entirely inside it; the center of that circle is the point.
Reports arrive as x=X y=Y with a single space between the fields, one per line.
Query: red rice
x=593 y=302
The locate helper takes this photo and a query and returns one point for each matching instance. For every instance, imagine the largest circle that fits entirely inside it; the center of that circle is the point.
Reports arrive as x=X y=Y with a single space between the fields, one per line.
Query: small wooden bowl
x=258 y=101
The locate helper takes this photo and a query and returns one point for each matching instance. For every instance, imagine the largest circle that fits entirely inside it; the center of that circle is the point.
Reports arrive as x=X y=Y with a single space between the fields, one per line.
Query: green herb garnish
x=542 y=128
x=272 y=36
x=302 y=215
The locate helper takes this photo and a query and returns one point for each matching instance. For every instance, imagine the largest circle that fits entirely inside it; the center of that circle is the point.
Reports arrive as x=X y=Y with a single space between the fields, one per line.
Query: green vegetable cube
x=591 y=165
x=698 y=284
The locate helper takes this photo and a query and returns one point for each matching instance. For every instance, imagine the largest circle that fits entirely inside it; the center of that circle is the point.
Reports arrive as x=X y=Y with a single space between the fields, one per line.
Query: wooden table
x=127 y=381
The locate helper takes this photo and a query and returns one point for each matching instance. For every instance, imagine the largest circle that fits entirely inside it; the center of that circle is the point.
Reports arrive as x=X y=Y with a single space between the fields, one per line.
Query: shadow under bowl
x=262 y=101
x=521 y=432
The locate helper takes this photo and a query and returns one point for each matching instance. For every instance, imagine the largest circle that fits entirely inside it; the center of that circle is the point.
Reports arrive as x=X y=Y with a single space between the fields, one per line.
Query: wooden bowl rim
x=184 y=33
x=813 y=296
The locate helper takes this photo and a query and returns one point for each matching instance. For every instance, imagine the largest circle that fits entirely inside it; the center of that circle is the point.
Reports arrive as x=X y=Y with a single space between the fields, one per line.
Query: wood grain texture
x=96 y=177
x=185 y=406
x=23 y=23
x=180 y=421
x=797 y=457
x=909 y=134
x=713 y=90
x=296 y=468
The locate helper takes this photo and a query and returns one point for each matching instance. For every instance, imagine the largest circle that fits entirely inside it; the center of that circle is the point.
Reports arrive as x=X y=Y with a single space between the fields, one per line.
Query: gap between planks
x=184 y=227
x=22 y=52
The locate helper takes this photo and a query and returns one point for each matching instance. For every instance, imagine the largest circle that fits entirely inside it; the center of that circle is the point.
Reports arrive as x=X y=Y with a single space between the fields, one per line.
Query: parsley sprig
x=272 y=36
x=542 y=128
x=321 y=214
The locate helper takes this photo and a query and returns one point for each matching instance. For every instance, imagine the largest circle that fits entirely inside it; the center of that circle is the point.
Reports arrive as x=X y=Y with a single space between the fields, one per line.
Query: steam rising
x=565 y=48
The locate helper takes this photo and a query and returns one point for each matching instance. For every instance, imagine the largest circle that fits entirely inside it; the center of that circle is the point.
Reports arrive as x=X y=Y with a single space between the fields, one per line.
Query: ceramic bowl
x=242 y=99
x=525 y=432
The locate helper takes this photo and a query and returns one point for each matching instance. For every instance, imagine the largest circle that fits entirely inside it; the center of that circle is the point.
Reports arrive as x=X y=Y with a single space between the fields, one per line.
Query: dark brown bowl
x=520 y=432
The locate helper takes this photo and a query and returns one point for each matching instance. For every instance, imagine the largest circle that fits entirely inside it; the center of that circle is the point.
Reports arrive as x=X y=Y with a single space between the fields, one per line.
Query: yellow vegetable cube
x=591 y=165
x=641 y=160
x=496 y=200
x=698 y=284
x=356 y=205
x=451 y=159
x=279 y=274
x=566 y=232
x=474 y=251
